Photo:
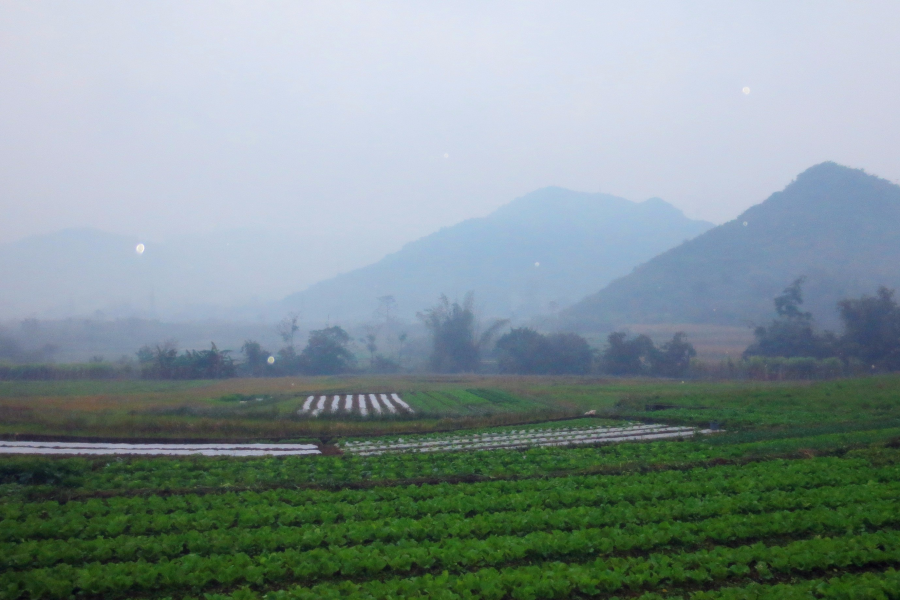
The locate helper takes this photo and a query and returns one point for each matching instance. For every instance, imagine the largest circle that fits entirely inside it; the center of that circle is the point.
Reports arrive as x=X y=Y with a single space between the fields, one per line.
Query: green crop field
x=799 y=497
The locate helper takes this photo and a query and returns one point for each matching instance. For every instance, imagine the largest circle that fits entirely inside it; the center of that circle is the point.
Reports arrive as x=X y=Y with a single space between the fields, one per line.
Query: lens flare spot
x=271 y=360
x=139 y=248
x=746 y=91
x=536 y=265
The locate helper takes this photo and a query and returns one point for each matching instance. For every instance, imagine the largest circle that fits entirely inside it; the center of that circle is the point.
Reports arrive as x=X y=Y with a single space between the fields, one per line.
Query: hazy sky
x=373 y=123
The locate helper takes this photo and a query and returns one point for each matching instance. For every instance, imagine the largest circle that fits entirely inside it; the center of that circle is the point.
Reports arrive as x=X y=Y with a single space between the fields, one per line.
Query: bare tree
x=386 y=306
x=288 y=327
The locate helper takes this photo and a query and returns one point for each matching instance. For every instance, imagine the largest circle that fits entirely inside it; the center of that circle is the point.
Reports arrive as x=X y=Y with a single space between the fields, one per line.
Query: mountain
x=839 y=227
x=543 y=250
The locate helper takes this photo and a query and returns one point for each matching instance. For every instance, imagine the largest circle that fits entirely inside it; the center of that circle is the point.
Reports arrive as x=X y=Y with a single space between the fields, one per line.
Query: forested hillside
x=834 y=225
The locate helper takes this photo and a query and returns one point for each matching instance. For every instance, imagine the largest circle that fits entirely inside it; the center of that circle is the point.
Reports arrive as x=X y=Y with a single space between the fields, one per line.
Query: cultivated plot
x=360 y=404
x=525 y=438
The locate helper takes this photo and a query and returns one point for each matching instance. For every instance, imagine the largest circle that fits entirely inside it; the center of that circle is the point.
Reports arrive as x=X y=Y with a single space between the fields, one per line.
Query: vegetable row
x=606 y=575
x=431 y=528
x=144 y=516
x=665 y=574
x=409 y=557
x=333 y=471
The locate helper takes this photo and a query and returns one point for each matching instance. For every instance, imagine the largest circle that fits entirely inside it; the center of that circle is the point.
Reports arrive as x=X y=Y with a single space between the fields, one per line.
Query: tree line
x=790 y=345
x=871 y=331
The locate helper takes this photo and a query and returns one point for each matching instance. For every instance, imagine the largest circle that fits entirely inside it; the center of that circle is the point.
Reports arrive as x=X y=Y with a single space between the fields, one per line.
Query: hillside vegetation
x=834 y=225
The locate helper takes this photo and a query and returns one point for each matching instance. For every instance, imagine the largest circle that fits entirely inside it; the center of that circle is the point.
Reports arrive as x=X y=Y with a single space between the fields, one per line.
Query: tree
x=452 y=328
x=163 y=362
x=792 y=333
x=523 y=350
x=673 y=358
x=158 y=362
x=386 y=305
x=640 y=356
x=256 y=358
x=327 y=352
x=371 y=346
x=568 y=354
x=624 y=356
x=384 y=365
x=287 y=328
x=872 y=329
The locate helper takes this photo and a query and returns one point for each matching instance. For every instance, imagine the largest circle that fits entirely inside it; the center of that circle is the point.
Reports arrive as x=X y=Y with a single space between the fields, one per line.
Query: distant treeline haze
x=791 y=346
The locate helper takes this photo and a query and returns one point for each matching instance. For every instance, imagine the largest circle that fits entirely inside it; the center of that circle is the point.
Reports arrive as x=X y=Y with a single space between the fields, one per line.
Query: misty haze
x=507 y=300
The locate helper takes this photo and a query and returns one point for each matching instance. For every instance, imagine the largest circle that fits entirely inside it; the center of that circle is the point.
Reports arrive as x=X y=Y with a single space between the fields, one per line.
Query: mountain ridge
x=541 y=248
x=834 y=225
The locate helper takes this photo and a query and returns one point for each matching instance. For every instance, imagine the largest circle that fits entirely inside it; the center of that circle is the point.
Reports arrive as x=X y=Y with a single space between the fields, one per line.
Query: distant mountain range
x=540 y=252
x=837 y=226
x=230 y=275
x=545 y=250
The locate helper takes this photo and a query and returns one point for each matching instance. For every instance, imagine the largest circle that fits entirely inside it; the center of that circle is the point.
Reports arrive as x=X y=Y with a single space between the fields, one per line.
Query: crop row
x=850 y=586
x=458 y=556
x=820 y=471
x=337 y=470
x=334 y=471
x=658 y=572
x=286 y=507
x=523 y=439
x=33 y=554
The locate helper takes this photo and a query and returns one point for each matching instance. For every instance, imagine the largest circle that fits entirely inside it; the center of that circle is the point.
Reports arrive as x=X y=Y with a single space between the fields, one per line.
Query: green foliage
x=525 y=351
x=452 y=328
x=327 y=352
x=256 y=362
x=639 y=356
x=164 y=362
x=36 y=471
x=872 y=329
x=593 y=535
x=792 y=334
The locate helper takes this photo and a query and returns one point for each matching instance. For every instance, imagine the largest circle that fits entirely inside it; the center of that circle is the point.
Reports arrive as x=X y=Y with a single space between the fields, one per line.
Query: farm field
x=797 y=497
x=271 y=409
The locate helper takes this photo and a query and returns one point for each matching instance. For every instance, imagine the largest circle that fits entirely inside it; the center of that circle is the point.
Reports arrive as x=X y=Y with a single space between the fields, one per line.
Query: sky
x=359 y=126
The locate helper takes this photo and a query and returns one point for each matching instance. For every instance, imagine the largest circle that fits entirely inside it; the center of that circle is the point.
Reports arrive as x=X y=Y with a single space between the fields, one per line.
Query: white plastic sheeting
x=365 y=404
x=158 y=449
x=525 y=438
